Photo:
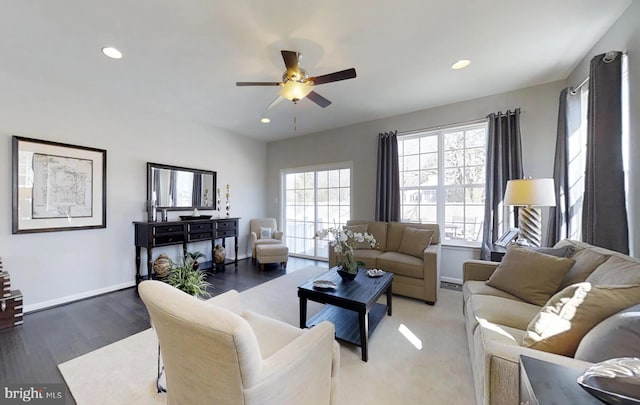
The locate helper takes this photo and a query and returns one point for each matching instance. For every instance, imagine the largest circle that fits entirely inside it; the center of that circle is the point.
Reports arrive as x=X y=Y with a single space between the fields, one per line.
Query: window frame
x=441 y=188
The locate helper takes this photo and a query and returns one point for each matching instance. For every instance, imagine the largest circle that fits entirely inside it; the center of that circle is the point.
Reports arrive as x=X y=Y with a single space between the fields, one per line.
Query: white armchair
x=214 y=353
x=275 y=237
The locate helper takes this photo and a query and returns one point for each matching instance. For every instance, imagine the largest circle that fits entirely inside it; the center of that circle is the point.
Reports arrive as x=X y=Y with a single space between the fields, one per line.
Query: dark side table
x=544 y=383
x=497 y=253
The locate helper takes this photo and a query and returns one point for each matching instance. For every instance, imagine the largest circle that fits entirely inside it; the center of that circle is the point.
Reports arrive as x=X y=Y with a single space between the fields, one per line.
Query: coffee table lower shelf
x=347 y=323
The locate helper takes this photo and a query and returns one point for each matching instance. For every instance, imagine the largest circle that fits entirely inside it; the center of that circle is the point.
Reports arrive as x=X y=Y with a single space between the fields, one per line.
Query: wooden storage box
x=11 y=310
x=5 y=284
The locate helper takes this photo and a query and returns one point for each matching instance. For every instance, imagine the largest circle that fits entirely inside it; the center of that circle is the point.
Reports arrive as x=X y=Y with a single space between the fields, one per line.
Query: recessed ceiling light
x=462 y=63
x=265 y=120
x=111 y=52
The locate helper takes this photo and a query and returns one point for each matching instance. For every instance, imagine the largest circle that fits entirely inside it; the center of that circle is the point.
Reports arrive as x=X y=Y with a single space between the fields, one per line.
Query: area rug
x=417 y=356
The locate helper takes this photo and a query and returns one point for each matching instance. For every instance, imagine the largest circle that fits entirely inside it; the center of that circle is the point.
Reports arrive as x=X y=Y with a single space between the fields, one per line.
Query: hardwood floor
x=30 y=353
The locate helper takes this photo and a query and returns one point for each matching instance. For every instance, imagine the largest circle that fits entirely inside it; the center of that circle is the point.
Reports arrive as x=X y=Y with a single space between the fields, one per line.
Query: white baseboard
x=87 y=294
x=76 y=297
x=451 y=280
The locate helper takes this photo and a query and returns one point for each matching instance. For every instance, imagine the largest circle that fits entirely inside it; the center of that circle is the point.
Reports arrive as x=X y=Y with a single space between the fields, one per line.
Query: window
x=315 y=198
x=442 y=178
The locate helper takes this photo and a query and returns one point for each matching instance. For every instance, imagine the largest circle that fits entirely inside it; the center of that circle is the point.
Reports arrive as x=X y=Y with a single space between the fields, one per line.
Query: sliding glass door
x=314 y=198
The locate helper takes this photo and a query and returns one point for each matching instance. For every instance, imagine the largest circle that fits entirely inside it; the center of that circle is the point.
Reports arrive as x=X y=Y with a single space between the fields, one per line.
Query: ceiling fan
x=296 y=83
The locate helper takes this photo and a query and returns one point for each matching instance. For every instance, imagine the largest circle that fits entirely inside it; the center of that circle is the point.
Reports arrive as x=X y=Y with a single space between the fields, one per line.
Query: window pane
x=429 y=161
x=411 y=196
x=453 y=176
x=475 y=175
x=474 y=195
x=428 y=213
x=428 y=178
x=411 y=146
x=334 y=178
x=476 y=138
x=345 y=177
x=454 y=158
x=429 y=144
x=429 y=196
x=454 y=140
x=323 y=179
x=455 y=195
x=410 y=213
x=411 y=162
x=474 y=156
x=410 y=179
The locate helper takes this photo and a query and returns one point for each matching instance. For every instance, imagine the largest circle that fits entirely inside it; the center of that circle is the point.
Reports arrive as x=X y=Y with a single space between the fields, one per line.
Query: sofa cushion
x=415 y=241
x=586 y=262
x=474 y=287
x=571 y=313
x=368 y=256
x=616 y=271
x=563 y=251
x=530 y=275
x=358 y=229
x=616 y=336
x=503 y=311
x=399 y=263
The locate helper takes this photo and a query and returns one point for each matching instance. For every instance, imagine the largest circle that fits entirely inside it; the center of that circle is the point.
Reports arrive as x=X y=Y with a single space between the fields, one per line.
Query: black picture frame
x=57 y=186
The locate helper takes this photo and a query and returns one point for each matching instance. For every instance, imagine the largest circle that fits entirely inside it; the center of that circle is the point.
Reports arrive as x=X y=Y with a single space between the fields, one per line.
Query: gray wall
x=624 y=35
x=358 y=143
x=51 y=268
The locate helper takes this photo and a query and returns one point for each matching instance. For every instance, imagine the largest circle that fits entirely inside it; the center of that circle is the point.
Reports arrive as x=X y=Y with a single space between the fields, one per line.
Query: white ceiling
x=183 y=57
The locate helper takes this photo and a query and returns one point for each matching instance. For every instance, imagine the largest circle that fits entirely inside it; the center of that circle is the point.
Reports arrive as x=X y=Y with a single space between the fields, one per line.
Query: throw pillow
x=571 y=313
x=415 y=241
x=529 y=275
x=358 y=229
x=564 y=251
x=616 y=270
x=586 y=262
x=616 y=336
x=265 y=233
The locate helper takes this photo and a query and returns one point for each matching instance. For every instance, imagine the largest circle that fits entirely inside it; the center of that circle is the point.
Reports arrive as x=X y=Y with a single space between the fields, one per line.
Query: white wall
x=358 y=143
x=55 y=267
x=624 y=35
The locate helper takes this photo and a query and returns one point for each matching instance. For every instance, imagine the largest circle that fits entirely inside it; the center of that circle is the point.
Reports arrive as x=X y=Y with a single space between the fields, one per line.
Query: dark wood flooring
x=30 y=353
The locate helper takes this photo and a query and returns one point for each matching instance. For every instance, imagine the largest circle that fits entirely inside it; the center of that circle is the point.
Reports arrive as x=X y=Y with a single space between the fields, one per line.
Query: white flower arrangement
x=344 y=241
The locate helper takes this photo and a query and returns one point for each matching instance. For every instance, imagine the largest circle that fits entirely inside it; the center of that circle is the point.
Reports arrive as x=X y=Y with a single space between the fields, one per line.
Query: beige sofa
x=412 y=276
x=496 y=321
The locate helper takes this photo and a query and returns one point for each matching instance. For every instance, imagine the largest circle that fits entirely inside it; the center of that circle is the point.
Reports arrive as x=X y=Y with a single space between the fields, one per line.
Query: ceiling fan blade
x=318 y=99
x=291 y=59
x=334 y=77
x=275 y=102
x=258 y=83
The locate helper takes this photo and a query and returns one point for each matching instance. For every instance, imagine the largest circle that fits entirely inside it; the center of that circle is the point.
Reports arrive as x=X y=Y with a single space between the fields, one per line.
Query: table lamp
x=530 y=194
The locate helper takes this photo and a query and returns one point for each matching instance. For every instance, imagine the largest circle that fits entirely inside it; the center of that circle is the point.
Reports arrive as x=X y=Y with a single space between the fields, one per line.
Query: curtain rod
x=436 y=128
x=574 y=90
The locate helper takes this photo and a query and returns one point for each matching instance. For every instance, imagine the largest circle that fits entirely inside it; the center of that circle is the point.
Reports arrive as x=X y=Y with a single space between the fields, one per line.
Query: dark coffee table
x=351 y=306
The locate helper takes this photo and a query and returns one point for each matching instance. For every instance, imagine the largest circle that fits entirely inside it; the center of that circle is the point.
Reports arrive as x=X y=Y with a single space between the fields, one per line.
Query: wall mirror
x=181 y=188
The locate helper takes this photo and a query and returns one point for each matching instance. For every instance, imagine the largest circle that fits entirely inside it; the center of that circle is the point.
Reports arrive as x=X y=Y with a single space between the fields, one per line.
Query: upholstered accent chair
x=259 y=236
x=216 y=353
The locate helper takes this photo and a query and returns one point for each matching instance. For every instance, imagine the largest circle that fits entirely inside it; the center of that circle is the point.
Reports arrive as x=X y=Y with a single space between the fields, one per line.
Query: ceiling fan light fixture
x=265 y=120
x=294 y=91
x=461 y=64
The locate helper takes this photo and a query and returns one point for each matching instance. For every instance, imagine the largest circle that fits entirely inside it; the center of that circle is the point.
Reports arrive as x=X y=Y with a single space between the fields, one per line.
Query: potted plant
x=185 y=276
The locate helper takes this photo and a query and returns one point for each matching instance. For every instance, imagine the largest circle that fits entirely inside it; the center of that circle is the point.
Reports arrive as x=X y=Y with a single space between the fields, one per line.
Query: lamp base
x=530 y=224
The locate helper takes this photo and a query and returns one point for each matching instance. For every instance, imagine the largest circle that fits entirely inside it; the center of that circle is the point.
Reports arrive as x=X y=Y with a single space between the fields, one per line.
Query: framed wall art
x=508 y=237
x=57 y=187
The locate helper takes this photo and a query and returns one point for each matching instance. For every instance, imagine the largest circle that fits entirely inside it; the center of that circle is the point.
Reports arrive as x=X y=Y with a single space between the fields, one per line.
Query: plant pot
x=346 y=276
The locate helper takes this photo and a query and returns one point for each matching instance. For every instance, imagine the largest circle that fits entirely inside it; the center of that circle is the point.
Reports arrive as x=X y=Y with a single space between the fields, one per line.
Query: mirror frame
x=151 y=166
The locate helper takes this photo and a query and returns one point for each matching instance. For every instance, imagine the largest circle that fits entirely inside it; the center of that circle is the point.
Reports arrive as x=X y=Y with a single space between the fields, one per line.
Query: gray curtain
x=568 y=123
x=388 y=178
x=504 y=162
x=604 y=214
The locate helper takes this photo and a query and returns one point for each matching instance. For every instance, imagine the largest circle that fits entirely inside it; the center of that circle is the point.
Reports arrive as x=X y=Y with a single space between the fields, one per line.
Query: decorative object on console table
x=67 y=190
x=11 y=310
x=219 y=203
x=528 y=194
x=228 y=201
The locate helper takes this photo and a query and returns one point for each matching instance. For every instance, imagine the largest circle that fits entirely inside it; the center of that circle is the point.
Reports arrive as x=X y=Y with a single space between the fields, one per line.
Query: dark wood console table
x=149 y=235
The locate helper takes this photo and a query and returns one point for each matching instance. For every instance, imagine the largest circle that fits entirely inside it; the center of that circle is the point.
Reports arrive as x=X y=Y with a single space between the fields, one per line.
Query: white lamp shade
x=530 y=193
